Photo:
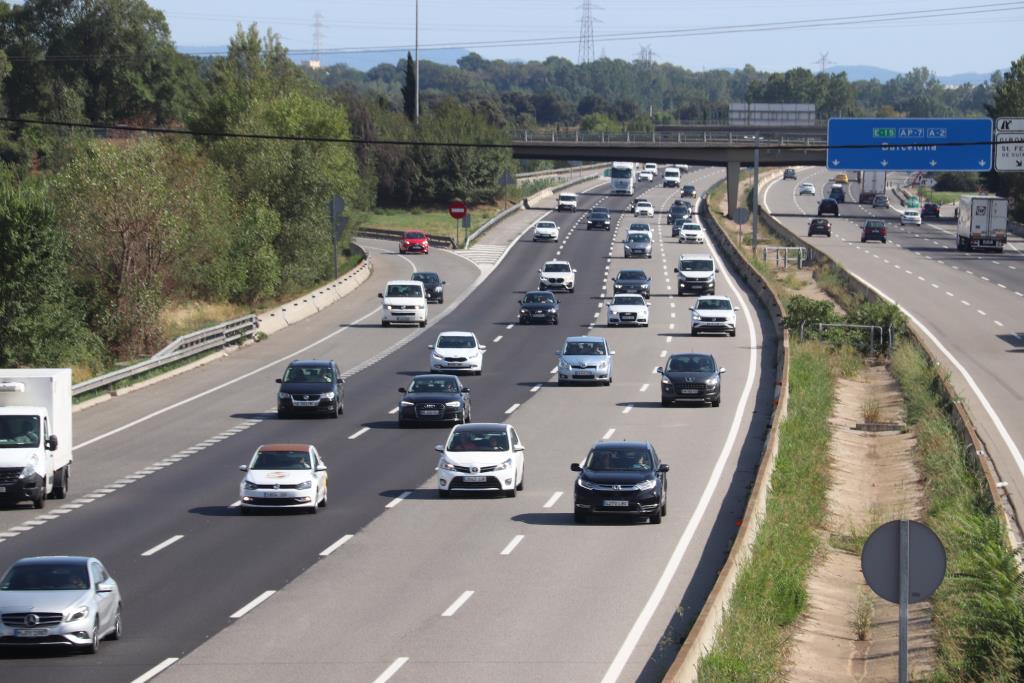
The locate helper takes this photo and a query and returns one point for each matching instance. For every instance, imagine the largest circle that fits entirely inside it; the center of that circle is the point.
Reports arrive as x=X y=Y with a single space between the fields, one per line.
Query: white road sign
x=1010 y=125
x=1009 y=156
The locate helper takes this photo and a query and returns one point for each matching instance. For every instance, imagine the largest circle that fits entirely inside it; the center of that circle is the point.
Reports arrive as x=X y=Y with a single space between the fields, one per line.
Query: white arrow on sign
x=981 y=162
x=933 y=163
x=884 y=163
x=835 y=162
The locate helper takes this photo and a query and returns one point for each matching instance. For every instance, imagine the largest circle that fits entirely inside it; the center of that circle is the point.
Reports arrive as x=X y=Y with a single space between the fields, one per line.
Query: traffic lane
x=425 y=590
x=217 y=477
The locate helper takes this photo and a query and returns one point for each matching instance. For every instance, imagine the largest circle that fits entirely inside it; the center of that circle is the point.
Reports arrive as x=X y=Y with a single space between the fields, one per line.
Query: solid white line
x=608 y=434
x=156 y=670
x=512 y=544
x=553 y=499
x=402 y=496
x=459 y=602
x=157 y=548
x=664 y=352
x=252 y=605
x=496 y=339
x=644 y=387
x=391 y=670
x=334 y=546
x=359 y=433
x=511 y=409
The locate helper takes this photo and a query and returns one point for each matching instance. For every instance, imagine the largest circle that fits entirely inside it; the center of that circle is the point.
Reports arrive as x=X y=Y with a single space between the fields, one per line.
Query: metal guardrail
x=231 y=332
x=564 y=172
x=672 y=138
x=395 y=235
x=782 y=255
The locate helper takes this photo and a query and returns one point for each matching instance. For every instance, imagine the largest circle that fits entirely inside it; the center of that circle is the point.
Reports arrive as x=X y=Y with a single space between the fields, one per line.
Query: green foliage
x=1008 y=100
x=801 y=310
x=599 y=122
x=956 y=182
x=409 y=89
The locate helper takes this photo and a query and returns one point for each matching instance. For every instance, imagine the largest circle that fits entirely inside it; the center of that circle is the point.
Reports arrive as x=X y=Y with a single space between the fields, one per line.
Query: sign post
x=1009 y=145
x=336 y=206
x=457 y=210
x=466 y=222
x=910 y=144
x=753 y=223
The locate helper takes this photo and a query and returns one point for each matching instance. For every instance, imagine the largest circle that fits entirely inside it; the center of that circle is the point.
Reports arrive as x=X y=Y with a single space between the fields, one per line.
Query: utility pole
x=416 y=119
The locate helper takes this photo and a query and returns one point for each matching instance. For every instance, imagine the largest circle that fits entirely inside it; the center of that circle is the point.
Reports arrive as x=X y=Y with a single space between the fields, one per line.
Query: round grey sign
x=880 y=561
x=741 y=215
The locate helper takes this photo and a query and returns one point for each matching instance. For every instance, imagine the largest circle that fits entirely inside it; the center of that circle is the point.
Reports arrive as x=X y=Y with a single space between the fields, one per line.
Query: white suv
x=692 y=233
x=643 y=208
x=404 y=301
x=481 y=457
x=457 y=351
x=557 y=275
x=567 y=201
x=545 y=230
x=713 y=314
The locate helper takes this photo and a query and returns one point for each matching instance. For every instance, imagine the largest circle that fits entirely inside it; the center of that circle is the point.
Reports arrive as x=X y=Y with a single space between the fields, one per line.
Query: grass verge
x=928 y=195
x=769 y=593
x=129 y=381
x=435 y=222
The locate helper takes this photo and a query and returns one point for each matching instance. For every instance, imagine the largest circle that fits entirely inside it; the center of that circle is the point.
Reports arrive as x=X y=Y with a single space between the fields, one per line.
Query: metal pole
x=904 y=594
x=417 y=97
x=753 y=222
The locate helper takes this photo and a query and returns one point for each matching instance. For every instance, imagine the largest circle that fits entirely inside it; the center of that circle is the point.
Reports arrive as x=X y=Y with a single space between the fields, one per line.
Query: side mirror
x=575 y=467
x=660 y=370
x=691 y=308
x=519 y=448
x=558 y=353
x=721 y=371
x=278 y=380
x=574 y=270
x=321 y=468
x=465 y=390
x=380 y=295
x=244 y=468
x=401 y=390
x=444 y=282
x=735 y=308
x=540 y=270
x=51 y=443
x=481 y=347
x=439 y=448
x=105 y=587
x=430 y=346
x=520 y=302
x=663 y=468
x=675 y=270
x=558 y=301
x=611 y=353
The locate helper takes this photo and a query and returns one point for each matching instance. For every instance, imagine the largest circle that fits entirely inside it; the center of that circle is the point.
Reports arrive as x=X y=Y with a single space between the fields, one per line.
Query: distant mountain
x=866 y=73
x=362 y=61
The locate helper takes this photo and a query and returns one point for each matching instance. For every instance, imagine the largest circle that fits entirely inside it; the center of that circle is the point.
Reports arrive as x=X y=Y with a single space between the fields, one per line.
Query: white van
x=696 y=274
x=671 y=177
x=567 y=201
x=404 y=301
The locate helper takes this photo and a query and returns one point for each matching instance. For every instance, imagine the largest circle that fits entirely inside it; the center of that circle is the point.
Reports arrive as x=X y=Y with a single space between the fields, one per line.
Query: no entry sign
x=457 y=210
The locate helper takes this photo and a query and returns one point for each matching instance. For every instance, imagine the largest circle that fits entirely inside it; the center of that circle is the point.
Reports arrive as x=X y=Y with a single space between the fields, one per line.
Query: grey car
x=585 y=359
x=60 y=601
x=637 y=244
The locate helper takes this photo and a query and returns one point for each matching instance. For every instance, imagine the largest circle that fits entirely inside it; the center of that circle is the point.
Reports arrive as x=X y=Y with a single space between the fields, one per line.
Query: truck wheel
x=62 y=485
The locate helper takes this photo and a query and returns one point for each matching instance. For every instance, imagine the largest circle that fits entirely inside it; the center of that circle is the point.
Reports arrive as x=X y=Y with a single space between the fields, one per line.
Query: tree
x=1008 y=100
x=409 y=89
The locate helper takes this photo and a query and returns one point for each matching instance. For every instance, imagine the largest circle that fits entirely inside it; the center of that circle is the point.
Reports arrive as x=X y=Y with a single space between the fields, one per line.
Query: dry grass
x=871 y=410
x=862 y=614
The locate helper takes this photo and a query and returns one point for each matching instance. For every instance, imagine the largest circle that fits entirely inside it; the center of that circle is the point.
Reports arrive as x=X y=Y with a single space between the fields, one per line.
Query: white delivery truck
x=872 y=183
x=981 y=223
x=35 y=435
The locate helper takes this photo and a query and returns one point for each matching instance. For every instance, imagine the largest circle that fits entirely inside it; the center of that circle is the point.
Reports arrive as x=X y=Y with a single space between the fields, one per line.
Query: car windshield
x=426 y=278
x=415 y=236
x=539 y=298
x=598 y=213
x=689 y=188
x=910 y=213
x=400 y=291
x=46 y=577
x=584 y=348
x=643 y=202
x=456 y=341
x=819 y=221
x=546 y=224
x=639 y=237
x=478 y=440
x=620 y=460
x=714 y=305
x=309 y=374
x=19 y=431
x=632 y=275
x=434 y=385
x=566 y=197
x=691 y=226
x=628 y=300
x=281 y=460
x=690 y=265
x=557 y=267
x=622 y=173
x=690 y=363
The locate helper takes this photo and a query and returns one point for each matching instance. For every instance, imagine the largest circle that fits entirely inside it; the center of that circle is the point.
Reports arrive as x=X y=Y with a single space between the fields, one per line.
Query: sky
x=958 y=38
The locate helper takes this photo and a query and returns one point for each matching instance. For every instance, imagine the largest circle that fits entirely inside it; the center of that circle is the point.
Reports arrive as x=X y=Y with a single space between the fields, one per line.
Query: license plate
x=430 y=412
x=988 y=242
x=584 y=374
x=689 y=391
x=474 y=480
x=306 y=404
x=277 y=494
x=539 y=315
x=31 y=632
x=3 y=489
x=616 y=503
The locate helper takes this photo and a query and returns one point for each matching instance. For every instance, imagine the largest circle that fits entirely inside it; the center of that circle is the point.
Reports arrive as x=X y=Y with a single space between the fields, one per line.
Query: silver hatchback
x=61 y=601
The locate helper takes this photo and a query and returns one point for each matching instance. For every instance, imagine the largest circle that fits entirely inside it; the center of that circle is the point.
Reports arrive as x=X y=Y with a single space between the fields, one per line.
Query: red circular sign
x=457 y=210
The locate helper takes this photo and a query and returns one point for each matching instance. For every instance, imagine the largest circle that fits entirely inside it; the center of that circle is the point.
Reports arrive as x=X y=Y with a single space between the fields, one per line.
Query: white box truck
x=981 y=223
x=35 y=435
x=872 y=183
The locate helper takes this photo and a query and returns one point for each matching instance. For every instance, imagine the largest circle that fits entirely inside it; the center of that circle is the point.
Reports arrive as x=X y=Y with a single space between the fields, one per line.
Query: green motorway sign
x=883 y=132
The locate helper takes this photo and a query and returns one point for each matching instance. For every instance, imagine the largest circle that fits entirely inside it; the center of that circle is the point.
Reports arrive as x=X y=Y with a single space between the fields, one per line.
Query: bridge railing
x=669 y=137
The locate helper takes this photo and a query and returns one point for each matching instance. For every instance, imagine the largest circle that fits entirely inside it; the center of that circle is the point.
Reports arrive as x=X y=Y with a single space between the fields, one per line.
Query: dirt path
x=847 y=633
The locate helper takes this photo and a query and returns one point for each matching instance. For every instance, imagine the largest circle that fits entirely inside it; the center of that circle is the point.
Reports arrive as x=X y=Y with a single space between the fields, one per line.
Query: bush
x=956 y=182
x=800 y=310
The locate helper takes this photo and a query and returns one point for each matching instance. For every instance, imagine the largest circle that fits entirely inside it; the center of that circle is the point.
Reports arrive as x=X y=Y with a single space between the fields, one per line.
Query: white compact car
x=645 y=176
x=651 y=168
x=713 y=314
x=404 y=301
x=645 y=228
x=285 y=475
x=643 y=208
x=545 y=231
x=567 y=201
x=806 y=188
x=628 y=309
x=557 y=275
x=691 y=233
x=481 y=457
x=457 y=351
x=910 y=217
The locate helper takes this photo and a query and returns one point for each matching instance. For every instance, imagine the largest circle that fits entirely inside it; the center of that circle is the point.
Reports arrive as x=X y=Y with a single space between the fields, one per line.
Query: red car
x=414 y=242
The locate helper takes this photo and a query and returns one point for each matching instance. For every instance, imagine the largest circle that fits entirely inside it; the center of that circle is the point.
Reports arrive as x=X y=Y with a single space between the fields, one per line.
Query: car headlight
x=76 y=614
x=665 y=381
x=583 y=483
x=523 y=311
x=389 y=307
x=711 y=381
x=552 y=310
x=618 y=286
x=505 y=465
x=563 y=365
x=453 y=404
x=283 y=396
x=603 y=365
x=438 y=289
x=646 y=485
x=437 y=356
x=249 y=486
x=305 y=485
x=420 y=307
x=697 y=318
x=407 y=403
x=29 y=469
x=645 y=285
x=329 y=395
x=445 y=465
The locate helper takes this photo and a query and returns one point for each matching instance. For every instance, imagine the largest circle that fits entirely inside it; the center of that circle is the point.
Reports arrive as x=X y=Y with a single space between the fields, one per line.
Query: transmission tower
x=646 y=55
x=587 y=21
x=318 y=39
x=823 y=62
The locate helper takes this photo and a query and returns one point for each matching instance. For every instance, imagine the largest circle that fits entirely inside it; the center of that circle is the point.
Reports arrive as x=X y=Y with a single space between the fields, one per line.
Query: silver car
x=585 y=359
x=65 y=601
x=637 y=244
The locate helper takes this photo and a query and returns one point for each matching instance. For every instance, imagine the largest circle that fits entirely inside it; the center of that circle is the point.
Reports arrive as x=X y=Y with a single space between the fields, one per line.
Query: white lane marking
x=334 y=546
x=935 y=285
x=997 y=323
x=535 y=388
x=47 y=517
x=1001 y=285
x=964 y=302
x=664 y=352
x=402 y=496
x=496 y=339
x=236 y=504
x=554 y=370
x=35 y=522
x=509 y=327
x=391 y=670
x=512 y=544
x=949 y=293
x=629 y=407
x=393 y=410
x=511 y=409
x=920 y=278
x=160 y=546
x=459 y=602
x=643 y=387
x=553 y=499
x=156 y=670
x=359 y=433
x=608 y=434
x=981 y=312
x=260 y=599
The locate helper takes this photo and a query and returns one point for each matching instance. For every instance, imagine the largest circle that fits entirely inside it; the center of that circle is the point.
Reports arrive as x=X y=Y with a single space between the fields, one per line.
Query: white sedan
x=284 y=476
x=457 y=351
x=546 y=231
x=628 y=309
x=481 y=457
x=806 y=188
x=645 y=176
x=643 y=208
x=910 y=217
x=692 y=233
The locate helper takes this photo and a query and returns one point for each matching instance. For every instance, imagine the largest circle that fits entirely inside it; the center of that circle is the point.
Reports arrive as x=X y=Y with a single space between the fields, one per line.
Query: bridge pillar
x=732 y=186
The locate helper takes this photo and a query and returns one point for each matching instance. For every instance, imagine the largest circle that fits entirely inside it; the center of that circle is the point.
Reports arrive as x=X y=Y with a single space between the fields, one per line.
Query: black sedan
x=828 y=205
x=691 y=377
x=438 y=399
x=538 y=307
x=678 y=212
x=600 y=218
x=621 y=477
x=930 y=210
x=633 y=282
x=433 y=285
x=311 y=386
x=819 y=226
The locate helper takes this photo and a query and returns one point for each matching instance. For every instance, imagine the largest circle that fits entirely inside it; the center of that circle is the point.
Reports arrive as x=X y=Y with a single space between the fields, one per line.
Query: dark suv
x=433 y=285
x=828 y=205
x=873 y=230
x=600 y=218
x=688 y=191
x=621 y=477
x=691 y=377
x=311 y=386
x=930 y=210
x=819 y=226
x=678 y=212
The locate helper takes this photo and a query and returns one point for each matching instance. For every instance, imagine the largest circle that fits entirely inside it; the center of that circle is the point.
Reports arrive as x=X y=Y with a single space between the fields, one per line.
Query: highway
x=389 y=581
x=969 y=305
